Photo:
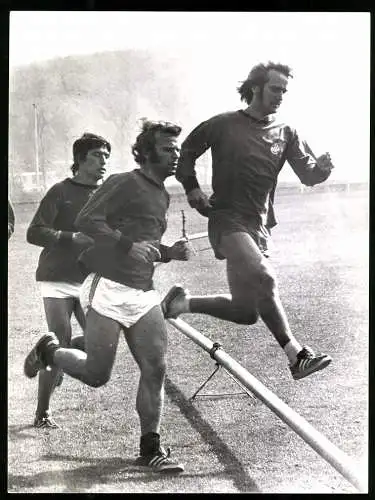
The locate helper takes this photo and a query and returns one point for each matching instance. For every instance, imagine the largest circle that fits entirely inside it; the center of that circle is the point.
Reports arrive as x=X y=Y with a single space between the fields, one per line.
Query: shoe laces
x=306 y=353
x=46 y=421
x=166 y=453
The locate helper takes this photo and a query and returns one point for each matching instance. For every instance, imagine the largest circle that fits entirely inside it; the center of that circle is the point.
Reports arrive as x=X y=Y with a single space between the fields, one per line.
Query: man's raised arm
x=308 y=168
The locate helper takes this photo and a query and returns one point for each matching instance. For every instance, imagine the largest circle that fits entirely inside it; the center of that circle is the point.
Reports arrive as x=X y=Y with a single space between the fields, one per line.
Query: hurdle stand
x=325 y=448
x=198 y=392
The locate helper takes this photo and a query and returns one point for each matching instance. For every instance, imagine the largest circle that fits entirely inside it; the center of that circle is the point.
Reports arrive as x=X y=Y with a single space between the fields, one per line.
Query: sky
x=329 y=96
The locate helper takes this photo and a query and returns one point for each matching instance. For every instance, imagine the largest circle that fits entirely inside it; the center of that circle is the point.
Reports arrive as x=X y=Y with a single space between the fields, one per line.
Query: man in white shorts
x=126 y=217
x=58 y=272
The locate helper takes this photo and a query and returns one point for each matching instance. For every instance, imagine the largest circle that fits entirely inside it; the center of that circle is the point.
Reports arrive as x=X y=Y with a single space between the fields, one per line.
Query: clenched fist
x=324 y=162
x=198 y=199
x=180 y=250
x=144 y=251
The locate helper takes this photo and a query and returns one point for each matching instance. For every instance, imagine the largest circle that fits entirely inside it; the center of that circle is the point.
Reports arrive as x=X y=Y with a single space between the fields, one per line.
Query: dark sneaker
x=308 y=362
x=35 y=361
x=176 y=292
x=160 y=462
x=45 y=421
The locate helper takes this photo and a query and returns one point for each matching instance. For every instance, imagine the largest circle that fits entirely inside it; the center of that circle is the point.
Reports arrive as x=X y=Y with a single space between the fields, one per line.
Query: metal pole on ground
x=197 y=236
x=325 y=448
x=37 y=170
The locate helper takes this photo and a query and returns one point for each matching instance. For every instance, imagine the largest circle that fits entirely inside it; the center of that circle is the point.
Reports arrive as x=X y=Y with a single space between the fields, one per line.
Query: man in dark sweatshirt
x=58 y=272
x=126 y=217
x=248 y=148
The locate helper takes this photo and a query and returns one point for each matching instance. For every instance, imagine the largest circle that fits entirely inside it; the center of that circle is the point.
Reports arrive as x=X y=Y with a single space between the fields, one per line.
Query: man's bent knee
x=97 y=379
x=244 y=315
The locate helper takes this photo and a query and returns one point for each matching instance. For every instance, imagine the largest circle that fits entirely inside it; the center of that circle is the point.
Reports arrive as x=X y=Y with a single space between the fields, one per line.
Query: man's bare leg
x=147 y=341
x=254 y=293
x=58 y=315
x=94 y=366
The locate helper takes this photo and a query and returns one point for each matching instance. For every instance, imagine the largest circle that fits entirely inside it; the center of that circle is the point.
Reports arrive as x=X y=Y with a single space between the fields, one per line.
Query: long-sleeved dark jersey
x=247 y=156
x=52 y=227
x=128 y=207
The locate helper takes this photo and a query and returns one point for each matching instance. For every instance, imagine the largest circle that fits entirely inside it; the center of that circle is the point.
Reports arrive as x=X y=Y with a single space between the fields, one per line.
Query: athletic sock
x=291 y=349
x=150 y=444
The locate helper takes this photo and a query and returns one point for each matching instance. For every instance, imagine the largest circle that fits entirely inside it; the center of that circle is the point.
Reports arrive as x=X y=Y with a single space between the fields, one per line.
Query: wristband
x=164 y=254
x=65 y=236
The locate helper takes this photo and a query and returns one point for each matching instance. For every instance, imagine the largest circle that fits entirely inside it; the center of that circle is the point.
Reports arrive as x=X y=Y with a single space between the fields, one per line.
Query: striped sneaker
x=160 y=462
x=45 y=421
x=308 y=362
x=35 y=360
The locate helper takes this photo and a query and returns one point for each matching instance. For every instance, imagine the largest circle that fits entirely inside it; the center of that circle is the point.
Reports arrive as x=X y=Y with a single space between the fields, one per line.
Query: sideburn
x=153 y=156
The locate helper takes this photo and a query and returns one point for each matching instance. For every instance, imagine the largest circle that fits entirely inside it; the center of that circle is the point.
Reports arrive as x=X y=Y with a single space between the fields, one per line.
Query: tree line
x=54 y=102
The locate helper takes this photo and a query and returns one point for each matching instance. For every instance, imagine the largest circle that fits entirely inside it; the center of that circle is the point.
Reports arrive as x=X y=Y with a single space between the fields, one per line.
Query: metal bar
x=327 y=450
x=36 y=144
x=184 y=234
x=196 y=236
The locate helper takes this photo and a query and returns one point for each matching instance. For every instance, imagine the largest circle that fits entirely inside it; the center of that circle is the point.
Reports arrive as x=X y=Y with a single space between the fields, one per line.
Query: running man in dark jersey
x=58 y=272
x=248 y=148
x=126 y=217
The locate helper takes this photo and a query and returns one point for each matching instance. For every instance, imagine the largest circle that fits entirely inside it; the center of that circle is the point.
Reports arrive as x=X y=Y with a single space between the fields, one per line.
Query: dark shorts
x=224 y=222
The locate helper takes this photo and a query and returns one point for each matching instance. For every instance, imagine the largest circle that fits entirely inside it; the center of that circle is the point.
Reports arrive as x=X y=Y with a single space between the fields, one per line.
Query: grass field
x=229 y=444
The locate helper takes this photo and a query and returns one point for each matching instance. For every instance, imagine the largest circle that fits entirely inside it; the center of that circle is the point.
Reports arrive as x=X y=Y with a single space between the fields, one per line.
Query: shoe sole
x=45 y=425
x=322 y=364
x=32 y=365
x=171 y=295
x=177 y=469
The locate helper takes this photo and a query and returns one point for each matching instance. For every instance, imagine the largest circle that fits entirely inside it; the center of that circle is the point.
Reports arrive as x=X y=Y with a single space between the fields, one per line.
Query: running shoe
x=35 y=360
x=160 y=462
x=177 y=291
x=45 y=421
x=308 y=362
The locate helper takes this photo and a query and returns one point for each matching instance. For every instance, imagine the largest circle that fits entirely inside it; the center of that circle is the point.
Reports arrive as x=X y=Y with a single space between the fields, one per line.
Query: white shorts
x=60 y=289
x=116 y=301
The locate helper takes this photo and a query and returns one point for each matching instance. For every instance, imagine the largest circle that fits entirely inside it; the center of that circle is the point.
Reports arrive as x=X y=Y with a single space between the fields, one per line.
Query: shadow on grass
x=233 y=466
x=18 y=431
x=103 y=471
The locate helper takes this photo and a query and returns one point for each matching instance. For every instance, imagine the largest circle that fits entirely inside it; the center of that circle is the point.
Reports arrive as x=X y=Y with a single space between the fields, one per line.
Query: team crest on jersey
x=277 y=148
